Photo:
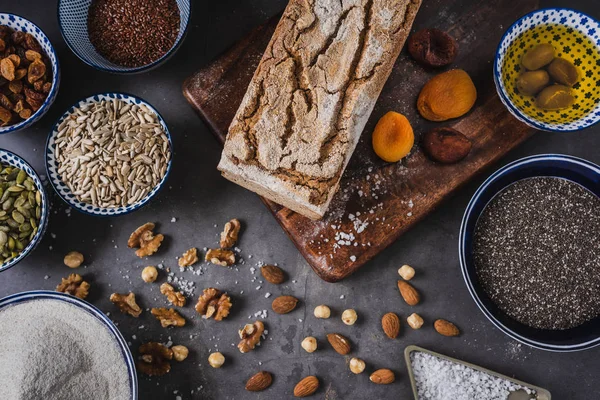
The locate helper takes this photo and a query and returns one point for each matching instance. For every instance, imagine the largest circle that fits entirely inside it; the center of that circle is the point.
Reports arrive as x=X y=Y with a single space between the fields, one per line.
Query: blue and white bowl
x=63 y=190
x=575 y=37
x=7 y=157
x=72 y=20
x=90 y=309
x=21 y=24
x=574 y=169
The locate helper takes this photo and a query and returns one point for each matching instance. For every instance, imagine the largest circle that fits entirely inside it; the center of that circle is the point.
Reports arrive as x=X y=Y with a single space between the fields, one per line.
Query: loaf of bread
x=311 y=96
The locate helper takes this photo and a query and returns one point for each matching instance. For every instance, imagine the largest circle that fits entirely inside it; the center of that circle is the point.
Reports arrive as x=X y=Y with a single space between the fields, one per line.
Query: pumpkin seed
x=18 y=217
x=21 y=176
x=15 y=189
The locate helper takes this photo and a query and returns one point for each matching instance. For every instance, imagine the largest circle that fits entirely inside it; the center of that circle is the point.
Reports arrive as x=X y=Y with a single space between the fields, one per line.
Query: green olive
x=538 y=56
x=531 y=82
x=563 y=71
x=555 y=97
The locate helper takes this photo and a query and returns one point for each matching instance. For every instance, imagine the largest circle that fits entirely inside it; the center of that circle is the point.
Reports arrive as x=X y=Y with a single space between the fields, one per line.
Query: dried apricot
x=448 y=95
x=393 y=137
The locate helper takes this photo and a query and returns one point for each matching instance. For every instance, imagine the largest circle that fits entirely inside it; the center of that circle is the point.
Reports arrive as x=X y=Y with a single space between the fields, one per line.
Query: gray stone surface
x=200 y=199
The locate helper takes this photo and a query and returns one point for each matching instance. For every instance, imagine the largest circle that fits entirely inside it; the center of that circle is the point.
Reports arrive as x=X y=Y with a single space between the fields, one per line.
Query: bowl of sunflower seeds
x=23 y=209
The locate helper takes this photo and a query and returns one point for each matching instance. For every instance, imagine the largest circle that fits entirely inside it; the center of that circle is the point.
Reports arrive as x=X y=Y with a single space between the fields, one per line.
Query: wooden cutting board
x=378 y=201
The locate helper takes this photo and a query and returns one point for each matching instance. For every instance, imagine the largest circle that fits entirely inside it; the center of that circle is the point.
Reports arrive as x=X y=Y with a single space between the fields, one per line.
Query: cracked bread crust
x=311 y=96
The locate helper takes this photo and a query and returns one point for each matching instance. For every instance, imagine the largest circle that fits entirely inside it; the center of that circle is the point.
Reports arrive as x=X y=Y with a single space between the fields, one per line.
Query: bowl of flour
x=55 y=346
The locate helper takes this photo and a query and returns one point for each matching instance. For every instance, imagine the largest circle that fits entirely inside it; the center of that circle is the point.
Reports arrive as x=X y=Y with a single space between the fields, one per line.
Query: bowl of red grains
x=123 y=36
x=529 y=251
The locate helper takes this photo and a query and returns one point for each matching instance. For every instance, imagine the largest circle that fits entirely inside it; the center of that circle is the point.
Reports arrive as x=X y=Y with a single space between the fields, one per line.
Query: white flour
x=52 y=350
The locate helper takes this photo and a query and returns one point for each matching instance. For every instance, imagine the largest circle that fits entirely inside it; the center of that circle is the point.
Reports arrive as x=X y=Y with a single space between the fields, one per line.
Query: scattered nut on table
x=149 y=274
x=349 y=316
x=213 y=303
x=357 y=365
x=168 y=317
x=272 y=274
x=144 y=240
x=340 y=343
x=390 y=323
x=154 y=360
x=216 y=360
x=446 y=328
x=383 y=376
x=259 y=381
x=230 y=233
x=73 y=259
x=126 y=304
x=222 y=257
x=74 y=285
x=410 y=295
x=415 y=321
x=309 y=344
x=284 y=304
x=174 y=297
x=406 y=272
x=188 y=258
x=180 y=352
x=306 y=387
x=250 y=335
x=322 y=311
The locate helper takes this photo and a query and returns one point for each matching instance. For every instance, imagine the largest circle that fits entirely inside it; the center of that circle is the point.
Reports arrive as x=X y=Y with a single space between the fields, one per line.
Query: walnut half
x=213 y=303
x=230 y=233
x=188 y=258
x=144 y=239
x=74 y=285
x=154 y=360
x=175 y=298
x=222 y=257
x=250 y=335
x=168 y=317
x=126 y=304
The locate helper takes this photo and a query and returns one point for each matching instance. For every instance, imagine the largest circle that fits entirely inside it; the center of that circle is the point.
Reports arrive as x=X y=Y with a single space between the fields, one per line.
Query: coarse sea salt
x=439 y=379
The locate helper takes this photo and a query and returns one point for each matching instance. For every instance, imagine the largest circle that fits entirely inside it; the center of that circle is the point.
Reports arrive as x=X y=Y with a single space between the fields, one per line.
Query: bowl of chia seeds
x=109 y=154
x=56 y=346
x=124 y=36
x=529 y=251
x=23 y=209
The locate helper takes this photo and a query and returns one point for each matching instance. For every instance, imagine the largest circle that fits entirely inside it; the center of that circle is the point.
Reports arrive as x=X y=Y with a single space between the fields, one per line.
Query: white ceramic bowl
x=63 y=190
x=21 y=24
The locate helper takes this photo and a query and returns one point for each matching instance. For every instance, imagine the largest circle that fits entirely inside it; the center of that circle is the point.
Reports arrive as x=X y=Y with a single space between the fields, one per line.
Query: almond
x=409 y=293
x=383 y=376
x=272 y=274
x=339 y=343
x=306 y=386
x=259 y=381
x=446 y=328
x=284 y=304
x=391 y=325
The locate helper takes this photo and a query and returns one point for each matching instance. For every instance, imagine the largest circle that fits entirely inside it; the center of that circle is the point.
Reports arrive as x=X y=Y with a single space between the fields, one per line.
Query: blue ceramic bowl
x=574 y=169
x=63 y=190
x=72 y=20
x=575 y=37
x=10 y=158
x=21 y=24
x=90 y=309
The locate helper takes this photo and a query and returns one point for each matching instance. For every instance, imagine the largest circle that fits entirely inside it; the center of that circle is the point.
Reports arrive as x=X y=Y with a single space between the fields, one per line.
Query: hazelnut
x=73 y=259
x=309 y=344
x=216 y=360
x=406 y=272
x=149 y=274
x=357 y=365
x=180 y=352
x=322 y=311
x=349 y=316
x=415 y=321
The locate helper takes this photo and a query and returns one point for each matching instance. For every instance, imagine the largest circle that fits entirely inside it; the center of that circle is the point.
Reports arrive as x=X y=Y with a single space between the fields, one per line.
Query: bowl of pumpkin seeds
x=109 y=154
x=24 y=209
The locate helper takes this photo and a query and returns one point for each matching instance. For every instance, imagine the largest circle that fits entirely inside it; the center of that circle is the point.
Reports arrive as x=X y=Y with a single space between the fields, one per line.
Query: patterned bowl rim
x=462 y=251
x=33 y=295
x=55 y=83
x=126 y=70
x=43 y=220
x=56 y=181
x=501 y=91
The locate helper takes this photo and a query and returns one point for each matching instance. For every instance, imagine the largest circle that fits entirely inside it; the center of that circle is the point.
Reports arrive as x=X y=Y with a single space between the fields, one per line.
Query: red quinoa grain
x=133 y=33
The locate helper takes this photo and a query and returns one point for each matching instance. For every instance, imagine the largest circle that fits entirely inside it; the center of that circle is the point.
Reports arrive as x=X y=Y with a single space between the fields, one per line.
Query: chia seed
x=537 y=253
x=133 y=33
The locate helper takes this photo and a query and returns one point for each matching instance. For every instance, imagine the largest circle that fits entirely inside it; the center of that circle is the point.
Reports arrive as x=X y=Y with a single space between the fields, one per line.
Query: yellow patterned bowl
x=575 y=37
